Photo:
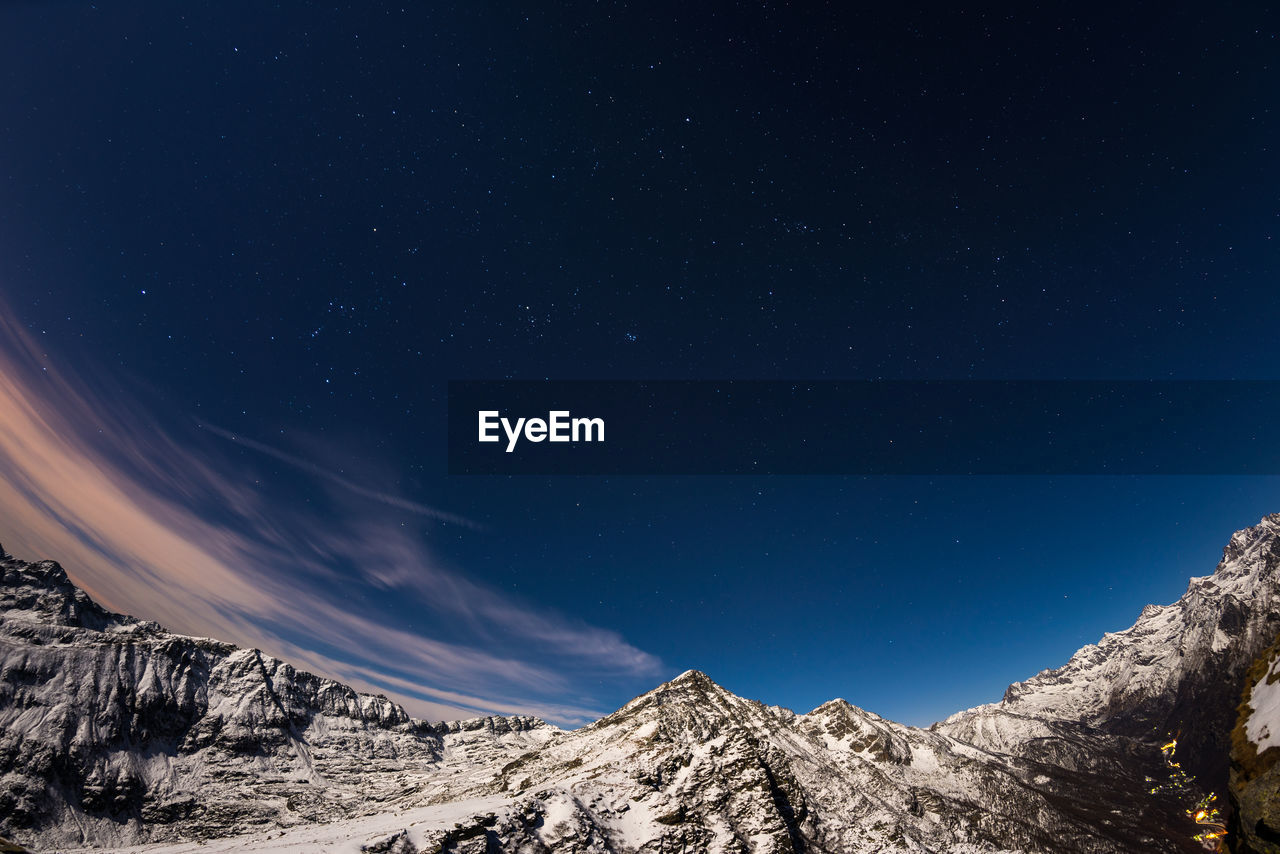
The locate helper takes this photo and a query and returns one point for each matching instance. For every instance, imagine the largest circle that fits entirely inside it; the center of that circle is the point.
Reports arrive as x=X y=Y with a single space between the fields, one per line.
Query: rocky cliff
x=114 y=732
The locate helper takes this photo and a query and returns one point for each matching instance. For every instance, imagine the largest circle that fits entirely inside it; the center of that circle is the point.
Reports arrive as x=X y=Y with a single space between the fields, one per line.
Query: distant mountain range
x=115 y=732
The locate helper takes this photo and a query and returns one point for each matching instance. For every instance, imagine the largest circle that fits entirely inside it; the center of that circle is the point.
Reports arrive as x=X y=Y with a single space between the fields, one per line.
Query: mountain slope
x=1177 y=671
x=690 y=766
x=115 y=732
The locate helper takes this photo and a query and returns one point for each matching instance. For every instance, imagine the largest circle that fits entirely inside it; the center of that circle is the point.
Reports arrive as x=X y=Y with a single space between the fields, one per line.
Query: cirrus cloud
x=178 y=531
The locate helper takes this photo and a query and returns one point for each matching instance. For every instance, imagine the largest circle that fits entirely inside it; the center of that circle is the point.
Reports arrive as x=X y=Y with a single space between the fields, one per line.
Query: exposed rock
x=1177 y=671
x=1255 y=760
x=115 y=732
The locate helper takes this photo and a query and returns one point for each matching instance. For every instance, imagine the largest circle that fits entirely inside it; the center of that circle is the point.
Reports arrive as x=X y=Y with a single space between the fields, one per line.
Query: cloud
x=182 y=532
x=357 y=489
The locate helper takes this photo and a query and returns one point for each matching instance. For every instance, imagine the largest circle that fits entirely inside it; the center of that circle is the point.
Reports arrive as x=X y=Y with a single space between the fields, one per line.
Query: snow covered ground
x=346 y=837
x=246 y=753
x=1263 y=724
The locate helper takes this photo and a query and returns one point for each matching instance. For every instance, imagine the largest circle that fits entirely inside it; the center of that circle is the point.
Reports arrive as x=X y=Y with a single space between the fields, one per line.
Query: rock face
x=113 y=730
x=689 y=766
x=1255 y=760
x=116 y=732
x=1178 y=671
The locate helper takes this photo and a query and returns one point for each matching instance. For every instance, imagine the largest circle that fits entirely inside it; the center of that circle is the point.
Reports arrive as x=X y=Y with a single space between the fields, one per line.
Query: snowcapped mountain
x=1178 y=670
x=115 y=732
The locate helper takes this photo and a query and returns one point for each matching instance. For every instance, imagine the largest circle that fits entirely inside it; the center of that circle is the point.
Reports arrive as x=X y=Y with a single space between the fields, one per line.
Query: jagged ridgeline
x=115 y=732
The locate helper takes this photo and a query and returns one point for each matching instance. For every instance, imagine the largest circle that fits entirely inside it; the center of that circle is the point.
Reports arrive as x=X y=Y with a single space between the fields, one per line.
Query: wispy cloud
x=178 y=531
x=347 y=484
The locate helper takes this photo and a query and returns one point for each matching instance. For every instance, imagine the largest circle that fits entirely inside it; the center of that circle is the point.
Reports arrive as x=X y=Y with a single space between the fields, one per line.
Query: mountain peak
x=693 y=677
x=841 y=725
x=692 y=684
x=841 y=706
x=44 y=588
x=690 y=707
x=1178 y=668
x=1250 y=543
x=687 y=765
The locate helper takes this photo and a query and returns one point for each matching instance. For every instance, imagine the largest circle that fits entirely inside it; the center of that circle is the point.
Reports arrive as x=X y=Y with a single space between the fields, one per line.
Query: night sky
x=244 y=247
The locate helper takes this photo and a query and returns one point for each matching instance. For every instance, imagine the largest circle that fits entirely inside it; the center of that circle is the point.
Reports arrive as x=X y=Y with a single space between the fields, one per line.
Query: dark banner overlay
x=863 y=427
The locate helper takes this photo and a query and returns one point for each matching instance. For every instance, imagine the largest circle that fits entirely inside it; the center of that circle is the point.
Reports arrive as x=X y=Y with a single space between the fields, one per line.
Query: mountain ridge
x=115 y=732
x=1148 y=677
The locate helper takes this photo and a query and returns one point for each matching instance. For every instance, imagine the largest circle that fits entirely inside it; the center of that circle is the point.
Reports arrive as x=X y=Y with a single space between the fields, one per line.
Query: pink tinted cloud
x=92 y=482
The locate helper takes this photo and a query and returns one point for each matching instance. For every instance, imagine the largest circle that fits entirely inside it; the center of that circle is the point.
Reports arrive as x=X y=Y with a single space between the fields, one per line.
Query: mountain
x=115 y=732
x=1177 y=671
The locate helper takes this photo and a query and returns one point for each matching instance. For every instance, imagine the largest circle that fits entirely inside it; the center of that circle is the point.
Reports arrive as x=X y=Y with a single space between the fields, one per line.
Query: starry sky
x=244 y=247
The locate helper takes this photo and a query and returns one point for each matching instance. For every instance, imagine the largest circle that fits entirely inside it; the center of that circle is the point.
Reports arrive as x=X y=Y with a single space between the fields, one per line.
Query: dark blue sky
x=296 y=222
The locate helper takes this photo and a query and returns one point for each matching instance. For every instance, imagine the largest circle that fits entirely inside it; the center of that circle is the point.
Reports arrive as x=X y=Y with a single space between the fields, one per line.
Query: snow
x=1263 y=725
x=688 y=748
x=1221 y=640
x=1166 y=646
x=632 y=821
x=341 y=838
x=645 y=731
x=557 y=811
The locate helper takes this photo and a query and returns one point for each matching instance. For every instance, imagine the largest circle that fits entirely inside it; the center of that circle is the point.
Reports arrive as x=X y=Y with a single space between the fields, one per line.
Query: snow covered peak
x=1249 y=548
x=130 y=734
x=1178 y=668
x=690 y=686
x=694 y=679
x=42 y=591
x=688 y=708
x=840 y=725
x=149 y=730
